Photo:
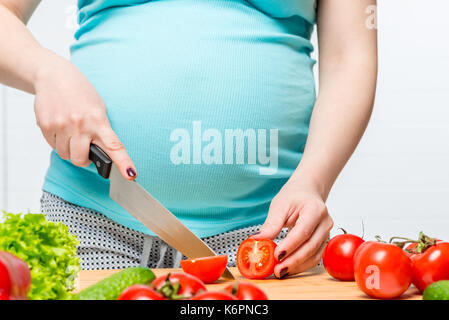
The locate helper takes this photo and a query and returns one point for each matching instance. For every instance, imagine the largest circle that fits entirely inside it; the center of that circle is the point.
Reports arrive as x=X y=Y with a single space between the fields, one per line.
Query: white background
x=397 y=182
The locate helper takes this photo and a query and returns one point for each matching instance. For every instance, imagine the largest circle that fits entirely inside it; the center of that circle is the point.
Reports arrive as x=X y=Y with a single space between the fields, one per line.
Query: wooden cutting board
x=313 y=285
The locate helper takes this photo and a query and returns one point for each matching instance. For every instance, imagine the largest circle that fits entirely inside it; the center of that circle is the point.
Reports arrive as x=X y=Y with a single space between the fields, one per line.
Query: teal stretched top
x=211 y=98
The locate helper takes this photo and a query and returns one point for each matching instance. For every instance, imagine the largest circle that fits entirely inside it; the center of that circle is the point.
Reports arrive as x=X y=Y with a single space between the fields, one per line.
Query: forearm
x=339 y=119
x=21 y=57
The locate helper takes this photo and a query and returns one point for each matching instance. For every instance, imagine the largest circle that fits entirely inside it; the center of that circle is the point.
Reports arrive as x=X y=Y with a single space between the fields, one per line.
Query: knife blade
x=151 y=213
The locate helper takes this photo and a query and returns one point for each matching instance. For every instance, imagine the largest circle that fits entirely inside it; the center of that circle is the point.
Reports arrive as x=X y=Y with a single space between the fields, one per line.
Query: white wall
x=27 y=154
x=397 y=181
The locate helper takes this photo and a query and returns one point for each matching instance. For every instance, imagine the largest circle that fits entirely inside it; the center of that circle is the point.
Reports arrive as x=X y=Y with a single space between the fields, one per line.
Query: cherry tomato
x=430 y=266
x=140 y=292
x=213 y=295
x=15 y=277
x=382 y=270
x=246 y=291
x=178 y=285
x=207 y=269
x=255 y=258
x=338 y=256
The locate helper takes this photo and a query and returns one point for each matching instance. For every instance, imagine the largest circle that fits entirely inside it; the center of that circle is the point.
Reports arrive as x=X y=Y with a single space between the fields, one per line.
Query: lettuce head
x=49 y=250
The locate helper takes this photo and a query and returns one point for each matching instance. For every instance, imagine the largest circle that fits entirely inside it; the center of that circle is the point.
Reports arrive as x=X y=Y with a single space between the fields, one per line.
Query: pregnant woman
x=211 y=106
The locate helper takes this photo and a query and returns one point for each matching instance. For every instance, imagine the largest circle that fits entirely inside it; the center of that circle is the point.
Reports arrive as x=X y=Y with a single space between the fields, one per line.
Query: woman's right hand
x=72 y=115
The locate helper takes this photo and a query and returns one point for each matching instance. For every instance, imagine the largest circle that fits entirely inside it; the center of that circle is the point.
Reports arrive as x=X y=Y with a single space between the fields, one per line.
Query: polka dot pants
x=105 y=244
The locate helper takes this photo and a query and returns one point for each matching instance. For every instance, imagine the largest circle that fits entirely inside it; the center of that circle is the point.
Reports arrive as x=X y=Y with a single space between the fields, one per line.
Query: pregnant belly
x=179 y=80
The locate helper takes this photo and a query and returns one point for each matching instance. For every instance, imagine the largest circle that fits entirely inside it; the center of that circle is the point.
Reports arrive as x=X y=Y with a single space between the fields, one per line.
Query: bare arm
x=347 y=76
x=22 y=9
x=20 y=53
x=69 y=111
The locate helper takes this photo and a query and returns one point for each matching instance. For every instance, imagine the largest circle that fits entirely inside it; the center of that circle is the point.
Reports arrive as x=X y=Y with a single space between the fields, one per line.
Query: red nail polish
x=131 y=172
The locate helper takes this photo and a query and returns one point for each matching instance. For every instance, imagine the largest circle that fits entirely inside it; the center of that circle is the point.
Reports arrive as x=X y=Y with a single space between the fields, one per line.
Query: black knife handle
x=101 y=160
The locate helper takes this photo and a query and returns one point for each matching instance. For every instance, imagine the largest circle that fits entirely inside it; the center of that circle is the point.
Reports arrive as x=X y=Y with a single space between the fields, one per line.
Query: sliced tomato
x=246 y=291
x=178 y=285
x=255 y=258
x=214 y=295
x=207 y=269
x=140 y=292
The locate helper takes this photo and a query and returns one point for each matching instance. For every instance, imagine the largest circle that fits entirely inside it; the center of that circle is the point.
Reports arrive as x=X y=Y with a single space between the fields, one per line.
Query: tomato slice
x=255 y=258
x=207 y=269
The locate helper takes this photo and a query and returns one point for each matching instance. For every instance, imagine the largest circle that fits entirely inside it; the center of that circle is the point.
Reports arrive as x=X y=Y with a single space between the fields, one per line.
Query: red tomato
x=246 y=291
x=178 y=285
x=430 y=266
x=140 y=292
x=382 y=270
x=213 y=295
x=15 y=277
x=207 y=269
x=5 y=282
x=255 y=258
x=412 y=249
x=338 y=256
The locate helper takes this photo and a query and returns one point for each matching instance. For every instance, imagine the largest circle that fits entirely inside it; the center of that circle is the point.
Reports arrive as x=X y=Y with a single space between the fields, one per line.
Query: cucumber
x=111 y=287
x=437 y=291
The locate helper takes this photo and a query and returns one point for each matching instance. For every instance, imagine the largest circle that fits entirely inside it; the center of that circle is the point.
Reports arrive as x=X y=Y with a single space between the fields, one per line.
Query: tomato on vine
x=177 y=285
x=338 y=256
x=430 y=260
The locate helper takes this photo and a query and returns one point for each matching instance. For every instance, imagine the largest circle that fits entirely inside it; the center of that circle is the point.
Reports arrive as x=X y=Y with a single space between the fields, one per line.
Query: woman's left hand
x=347 y=86
x=299 y=207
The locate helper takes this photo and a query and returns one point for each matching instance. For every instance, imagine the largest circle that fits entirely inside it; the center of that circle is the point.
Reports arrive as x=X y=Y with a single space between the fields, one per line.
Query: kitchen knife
x=150 y=212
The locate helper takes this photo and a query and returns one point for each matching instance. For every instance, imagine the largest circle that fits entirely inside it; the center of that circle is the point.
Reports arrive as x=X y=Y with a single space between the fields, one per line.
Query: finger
x=50 y=137
x=277 y=215
x=309 y=263
x=308 y=220
x=291 y=221
x=79 y=150
x=111 y=144
x=48 y=133
x=62 y=142
x=307 y=251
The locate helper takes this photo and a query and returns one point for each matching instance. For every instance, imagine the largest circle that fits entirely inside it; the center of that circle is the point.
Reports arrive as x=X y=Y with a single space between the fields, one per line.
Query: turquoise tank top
x=211 y=98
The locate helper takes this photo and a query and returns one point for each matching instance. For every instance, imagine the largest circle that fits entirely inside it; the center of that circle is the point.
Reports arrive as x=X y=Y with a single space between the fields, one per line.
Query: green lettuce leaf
x=49 y=250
